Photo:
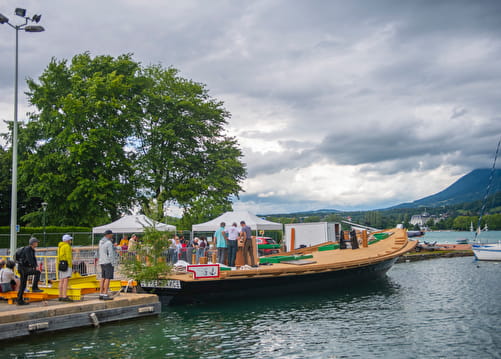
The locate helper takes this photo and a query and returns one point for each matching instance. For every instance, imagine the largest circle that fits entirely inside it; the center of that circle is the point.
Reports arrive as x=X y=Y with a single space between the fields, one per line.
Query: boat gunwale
x=402 y=248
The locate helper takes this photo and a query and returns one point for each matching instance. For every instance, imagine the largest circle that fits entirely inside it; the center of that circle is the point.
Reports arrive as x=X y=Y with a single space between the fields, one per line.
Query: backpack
x=20 y=256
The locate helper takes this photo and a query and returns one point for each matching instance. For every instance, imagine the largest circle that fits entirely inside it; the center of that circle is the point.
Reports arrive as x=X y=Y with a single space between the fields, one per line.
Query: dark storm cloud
x=388 y=86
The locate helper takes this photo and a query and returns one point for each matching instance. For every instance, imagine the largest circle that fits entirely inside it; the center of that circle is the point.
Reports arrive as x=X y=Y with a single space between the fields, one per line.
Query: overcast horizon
x=339 y=105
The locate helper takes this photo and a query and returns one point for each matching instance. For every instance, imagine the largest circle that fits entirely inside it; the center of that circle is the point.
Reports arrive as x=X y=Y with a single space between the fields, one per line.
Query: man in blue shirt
x=221 y=243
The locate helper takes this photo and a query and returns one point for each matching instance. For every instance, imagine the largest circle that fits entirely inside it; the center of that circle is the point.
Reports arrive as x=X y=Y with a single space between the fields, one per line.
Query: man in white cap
x=64 y=265
x=106 y=260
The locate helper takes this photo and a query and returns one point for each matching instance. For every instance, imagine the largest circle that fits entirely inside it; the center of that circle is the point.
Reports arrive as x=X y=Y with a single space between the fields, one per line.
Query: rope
x=487 y=190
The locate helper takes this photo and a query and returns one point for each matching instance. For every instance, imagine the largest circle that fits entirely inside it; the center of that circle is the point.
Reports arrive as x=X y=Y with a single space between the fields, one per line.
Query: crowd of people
x=27 y=265
x=183 y=249
x=229 y=239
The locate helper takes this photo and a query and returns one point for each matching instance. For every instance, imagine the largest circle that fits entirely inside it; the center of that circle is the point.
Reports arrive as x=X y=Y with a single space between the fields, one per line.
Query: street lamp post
x=28 y=28
x=44 y=207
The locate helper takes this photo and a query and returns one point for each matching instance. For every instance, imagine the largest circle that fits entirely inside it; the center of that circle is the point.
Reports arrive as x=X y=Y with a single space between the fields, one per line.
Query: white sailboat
x=487 y=252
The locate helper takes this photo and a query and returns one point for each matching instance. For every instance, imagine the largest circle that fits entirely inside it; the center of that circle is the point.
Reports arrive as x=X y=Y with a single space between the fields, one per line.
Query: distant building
x=420 y=219
x=423 y=218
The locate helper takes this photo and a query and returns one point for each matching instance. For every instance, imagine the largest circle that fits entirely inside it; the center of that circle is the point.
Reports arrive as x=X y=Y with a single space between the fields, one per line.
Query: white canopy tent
x=133 y=224
x=254 y=222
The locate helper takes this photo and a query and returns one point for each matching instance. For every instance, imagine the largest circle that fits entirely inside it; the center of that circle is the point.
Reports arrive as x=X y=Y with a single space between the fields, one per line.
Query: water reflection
x=438 y=308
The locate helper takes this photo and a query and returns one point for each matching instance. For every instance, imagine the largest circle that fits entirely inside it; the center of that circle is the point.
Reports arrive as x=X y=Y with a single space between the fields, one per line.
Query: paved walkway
x=4 y=306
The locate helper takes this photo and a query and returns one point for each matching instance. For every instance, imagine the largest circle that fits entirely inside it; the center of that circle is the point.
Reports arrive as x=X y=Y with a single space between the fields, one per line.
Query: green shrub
x=148 y=262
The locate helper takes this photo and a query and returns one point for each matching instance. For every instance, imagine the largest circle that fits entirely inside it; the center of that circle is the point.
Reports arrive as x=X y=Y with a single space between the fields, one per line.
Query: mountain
x=305 y=213
x=470 y=187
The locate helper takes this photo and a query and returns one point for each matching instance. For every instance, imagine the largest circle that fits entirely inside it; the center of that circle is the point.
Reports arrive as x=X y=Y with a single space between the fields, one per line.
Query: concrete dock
x=53 y=315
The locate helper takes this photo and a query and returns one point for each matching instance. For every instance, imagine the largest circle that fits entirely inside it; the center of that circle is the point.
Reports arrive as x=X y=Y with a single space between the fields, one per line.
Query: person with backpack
x=27 y=265
x=64 y=266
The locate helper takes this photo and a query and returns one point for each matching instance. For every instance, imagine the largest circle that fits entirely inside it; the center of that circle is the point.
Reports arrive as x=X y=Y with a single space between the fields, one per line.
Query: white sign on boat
x=204 y=270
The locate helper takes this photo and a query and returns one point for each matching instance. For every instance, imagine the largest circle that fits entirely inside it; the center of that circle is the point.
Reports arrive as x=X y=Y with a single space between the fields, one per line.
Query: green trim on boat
x=278 y=259
x=268 y=246
x=328 y=247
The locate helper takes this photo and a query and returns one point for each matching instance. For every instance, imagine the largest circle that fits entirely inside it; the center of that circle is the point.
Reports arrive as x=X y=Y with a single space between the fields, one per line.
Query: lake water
x=440 y=308
x=452 y=236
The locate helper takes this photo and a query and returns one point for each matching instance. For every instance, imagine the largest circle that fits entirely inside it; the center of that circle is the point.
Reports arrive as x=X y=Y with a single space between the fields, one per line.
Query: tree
x=493 y=221
x=184 y=156
x=25 y=203
x=108 y=134
x=77 y=158
x=463 y=222
x=312 y=219
x=373 y=219
x=148 y=261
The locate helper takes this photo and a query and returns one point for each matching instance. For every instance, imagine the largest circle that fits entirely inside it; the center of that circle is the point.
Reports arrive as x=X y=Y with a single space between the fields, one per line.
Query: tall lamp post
x=28 y=28
x=44 y=207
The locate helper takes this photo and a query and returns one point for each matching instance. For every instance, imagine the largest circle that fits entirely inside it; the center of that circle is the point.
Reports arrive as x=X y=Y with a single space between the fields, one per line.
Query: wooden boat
x=302 y=270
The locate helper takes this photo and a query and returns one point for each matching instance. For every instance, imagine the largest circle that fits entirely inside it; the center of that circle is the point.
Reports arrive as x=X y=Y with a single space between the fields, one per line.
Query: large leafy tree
x=108 y=134
x=5 y=186
x=77 y=158
x=26 y=204
x=184 y=155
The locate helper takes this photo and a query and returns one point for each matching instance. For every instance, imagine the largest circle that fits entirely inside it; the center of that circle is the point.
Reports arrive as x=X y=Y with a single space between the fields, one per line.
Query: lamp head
x=34 y=28
x=20 y=12
x=3 y=19
x=36 y=18
x=44 y=205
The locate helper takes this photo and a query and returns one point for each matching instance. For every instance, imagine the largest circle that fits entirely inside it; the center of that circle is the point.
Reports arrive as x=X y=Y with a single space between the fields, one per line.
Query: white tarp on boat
x=132 y=224
x=254 y=222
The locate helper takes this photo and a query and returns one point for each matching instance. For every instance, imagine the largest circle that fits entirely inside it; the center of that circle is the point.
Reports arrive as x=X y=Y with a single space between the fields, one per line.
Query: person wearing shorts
x=106 y=261
x=64 y=254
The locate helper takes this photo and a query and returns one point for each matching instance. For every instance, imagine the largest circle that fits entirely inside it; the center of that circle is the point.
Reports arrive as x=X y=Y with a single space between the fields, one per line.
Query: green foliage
x=5 y=186
x=312 y=219
x=373 y=219
x=76 y=142
x=184 y=156
x=148 y=262
x=82 y=235
x=48 y=229
x=108 y=134
x=26 y=204
x=462 y=223
x=493 y=221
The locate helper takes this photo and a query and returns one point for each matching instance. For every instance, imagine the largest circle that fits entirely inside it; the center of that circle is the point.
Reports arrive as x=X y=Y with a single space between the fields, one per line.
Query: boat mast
x=487 y=190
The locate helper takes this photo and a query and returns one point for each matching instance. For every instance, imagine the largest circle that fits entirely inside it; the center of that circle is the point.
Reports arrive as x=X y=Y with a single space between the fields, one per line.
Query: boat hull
x=211 y=290
x=488 y=252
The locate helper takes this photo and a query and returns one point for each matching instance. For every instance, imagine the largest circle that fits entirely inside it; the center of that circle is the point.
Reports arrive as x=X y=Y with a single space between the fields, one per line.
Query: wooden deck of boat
x=40 y=317
x=330 y=260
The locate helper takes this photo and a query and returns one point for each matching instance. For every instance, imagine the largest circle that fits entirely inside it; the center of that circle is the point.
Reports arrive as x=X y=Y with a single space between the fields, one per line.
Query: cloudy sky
x=336 y=104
